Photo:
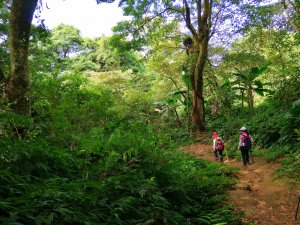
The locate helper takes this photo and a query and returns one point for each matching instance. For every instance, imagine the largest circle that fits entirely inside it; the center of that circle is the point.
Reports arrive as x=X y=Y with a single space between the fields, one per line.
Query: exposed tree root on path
x=262 y=199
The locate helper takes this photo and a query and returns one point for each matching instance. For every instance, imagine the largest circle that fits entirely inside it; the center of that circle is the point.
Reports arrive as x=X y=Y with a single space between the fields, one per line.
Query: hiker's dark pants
x=218 y=154
x=245 y=155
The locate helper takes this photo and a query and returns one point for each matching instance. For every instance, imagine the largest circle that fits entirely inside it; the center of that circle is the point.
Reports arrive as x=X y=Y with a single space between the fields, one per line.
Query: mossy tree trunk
x=198 y=110
x=18 y=84
x=200 y=48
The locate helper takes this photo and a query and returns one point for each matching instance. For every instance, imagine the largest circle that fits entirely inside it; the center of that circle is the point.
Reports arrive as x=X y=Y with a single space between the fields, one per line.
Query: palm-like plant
x=246 y=81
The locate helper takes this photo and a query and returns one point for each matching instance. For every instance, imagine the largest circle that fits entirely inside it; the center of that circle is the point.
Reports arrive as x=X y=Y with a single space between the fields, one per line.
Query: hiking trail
x=264 y=200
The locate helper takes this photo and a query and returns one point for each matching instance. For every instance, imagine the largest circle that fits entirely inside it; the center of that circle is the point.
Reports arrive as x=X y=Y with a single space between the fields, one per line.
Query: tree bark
x=200 y=41
x=242 y=93
x=18 y=85
x=250 y=98
x=198 y=110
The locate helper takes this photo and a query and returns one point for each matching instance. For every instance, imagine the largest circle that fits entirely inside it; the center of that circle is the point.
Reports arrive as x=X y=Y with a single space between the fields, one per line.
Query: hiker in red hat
x=218 y=147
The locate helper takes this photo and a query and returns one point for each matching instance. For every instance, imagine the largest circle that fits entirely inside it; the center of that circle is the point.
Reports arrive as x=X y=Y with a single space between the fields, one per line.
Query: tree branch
x=188 y=20
x=210 y=63
x=293 y=22
x=213 y=29
x=199 y=8
x=175 y=84
x=206 y=12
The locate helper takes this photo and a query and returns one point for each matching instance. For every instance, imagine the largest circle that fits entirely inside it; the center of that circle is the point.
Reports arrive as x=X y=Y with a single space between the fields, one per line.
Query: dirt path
x=263 y=200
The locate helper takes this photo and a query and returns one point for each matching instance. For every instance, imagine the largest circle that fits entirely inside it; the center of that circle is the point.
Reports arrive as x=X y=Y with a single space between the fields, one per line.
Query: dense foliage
x=96 y=150
x=117 y=177
x=106 y=121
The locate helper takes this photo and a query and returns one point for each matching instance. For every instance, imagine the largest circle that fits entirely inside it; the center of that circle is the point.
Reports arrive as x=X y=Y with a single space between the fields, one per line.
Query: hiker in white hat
x=245 y=145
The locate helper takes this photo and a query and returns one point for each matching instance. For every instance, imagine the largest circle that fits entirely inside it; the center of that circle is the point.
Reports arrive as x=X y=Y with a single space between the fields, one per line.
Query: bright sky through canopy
x=91 y=19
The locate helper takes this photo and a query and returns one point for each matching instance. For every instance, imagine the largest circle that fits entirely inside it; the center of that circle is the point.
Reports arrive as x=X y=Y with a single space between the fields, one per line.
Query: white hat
x=243 y=128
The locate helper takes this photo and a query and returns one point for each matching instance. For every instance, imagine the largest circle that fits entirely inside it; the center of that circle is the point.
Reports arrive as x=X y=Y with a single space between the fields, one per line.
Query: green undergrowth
x=290 y=164
x=127 y=174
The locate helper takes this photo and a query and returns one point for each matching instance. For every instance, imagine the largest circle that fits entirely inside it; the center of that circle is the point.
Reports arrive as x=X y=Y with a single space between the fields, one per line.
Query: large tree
x=66 y=40
x=200 y=19
x=204 y=20
x=20 y=19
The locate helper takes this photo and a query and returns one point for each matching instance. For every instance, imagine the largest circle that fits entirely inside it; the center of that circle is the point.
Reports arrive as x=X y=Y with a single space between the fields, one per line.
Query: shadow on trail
x=262 y=199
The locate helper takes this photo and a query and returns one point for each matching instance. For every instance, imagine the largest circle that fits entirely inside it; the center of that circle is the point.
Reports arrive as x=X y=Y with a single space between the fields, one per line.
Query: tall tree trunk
x=200 y=48
x=198 y=114
x=250 y=98
x=242 y=92
x=18 y=85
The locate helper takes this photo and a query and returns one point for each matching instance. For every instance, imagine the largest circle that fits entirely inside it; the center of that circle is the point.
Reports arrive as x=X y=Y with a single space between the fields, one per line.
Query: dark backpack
x=246 y=140
x=220 y=144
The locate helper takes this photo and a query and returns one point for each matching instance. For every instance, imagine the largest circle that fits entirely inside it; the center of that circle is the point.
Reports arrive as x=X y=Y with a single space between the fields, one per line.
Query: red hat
x=214 y=135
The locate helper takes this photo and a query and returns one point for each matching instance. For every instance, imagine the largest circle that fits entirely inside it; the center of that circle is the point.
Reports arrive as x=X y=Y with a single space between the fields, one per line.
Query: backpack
x=246 y=141
x=220 y=144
